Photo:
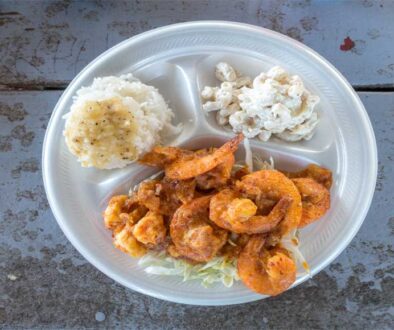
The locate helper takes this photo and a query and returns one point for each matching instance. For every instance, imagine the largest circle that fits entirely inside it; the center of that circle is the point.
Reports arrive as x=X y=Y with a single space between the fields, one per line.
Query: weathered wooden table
x=45 y=283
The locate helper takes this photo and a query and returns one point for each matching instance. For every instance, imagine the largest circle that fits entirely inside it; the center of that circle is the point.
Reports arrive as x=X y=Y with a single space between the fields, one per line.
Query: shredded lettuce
x=262 y=164
x=218 y=269
x=291 y=243
x=248 y=155
x=254 y=163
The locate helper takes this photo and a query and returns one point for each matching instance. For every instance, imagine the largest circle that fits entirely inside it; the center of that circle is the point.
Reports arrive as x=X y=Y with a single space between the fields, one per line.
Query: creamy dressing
x=274 y=103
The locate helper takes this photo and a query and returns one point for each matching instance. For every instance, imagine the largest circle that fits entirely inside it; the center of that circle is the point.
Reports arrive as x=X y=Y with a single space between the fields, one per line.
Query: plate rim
x=371 y=182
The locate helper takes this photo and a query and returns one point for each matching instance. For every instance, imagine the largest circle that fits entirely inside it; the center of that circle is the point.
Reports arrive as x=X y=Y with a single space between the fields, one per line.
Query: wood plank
x=45 y=283
x=46 y=43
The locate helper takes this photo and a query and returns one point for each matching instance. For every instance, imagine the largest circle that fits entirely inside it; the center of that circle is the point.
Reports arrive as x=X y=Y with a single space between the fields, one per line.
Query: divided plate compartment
x=180 y=60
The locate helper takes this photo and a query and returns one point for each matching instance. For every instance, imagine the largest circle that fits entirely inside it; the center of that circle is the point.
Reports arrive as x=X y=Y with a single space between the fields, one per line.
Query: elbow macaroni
x=274 y=103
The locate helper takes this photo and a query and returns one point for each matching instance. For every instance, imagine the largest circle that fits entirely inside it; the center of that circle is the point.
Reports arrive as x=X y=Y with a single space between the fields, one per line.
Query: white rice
x=115 y=120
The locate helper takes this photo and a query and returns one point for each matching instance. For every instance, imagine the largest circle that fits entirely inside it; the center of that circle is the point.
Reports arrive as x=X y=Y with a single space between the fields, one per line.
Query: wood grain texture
x=46 y=43
x=46 y=283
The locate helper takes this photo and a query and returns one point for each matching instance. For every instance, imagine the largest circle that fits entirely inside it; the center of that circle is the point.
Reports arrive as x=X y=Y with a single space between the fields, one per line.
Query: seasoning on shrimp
x=264 y=271
x=194 y=236
x=166 y=195
x=274 y=185
x=122 y=209
x=239 y=215
x=218 y=176
x=160 y=156
x=125 y=241
x=190 y=166
x=315 y=200
x=315 y=172
x=150 y=230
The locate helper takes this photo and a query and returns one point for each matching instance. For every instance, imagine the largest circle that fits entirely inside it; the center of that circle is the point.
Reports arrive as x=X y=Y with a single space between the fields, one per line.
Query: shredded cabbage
x=248 y=155
x=218 y=269
x=262 y=164
x=291 y=243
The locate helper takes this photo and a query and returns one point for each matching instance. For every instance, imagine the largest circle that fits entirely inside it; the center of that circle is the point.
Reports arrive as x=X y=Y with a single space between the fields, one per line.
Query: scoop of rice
x=115 y=120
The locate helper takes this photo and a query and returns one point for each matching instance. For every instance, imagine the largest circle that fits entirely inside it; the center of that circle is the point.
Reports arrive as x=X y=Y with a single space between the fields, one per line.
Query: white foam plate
x=179 y=60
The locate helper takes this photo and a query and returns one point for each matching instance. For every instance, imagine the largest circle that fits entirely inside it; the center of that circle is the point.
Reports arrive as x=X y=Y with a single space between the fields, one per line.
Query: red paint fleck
x=347 y=45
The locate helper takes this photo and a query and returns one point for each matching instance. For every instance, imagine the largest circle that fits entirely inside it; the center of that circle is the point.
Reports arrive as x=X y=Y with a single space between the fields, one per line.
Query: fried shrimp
x=315 y=200
x=112 y=213
x=229 y=211
x=161 y=156
x=235 y=245
x=192 y=233
x=238 y=174
x=205 y=217
x=315 y=172
x=182 y=190
x=218 y=176
x=264 y=271
x=264 y=204
x=122 y=209
x=273 y=185
x=125 y=241
x=147 y=195
x=214 y=178
x=150 y=230
x=191 y=165
x=165 y=196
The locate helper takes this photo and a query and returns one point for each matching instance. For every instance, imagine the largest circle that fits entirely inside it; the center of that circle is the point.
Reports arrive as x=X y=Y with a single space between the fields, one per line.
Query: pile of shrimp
x=204 y=206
